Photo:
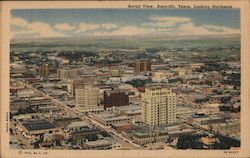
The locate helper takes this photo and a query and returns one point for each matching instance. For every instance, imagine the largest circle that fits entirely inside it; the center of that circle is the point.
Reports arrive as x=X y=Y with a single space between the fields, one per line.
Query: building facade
x=142 y=65
x=66 y=73
x=97 y=145
x=158 y=105
x=44 y=70
x=87 y=98
x=115 y=98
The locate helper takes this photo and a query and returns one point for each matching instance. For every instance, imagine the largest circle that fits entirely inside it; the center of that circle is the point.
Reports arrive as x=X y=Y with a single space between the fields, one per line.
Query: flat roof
x=133 y=112
x=181 y=131
x=111 y=91
x=48 y=107
x=98 y=142
x=78 y=124
x=38 y=125
x=155 y=86
x=208 y=118
x=129 y=107
x=67 y=119
x=109 y=116
x=226 y=124
x=119 y=124
x=148 y=134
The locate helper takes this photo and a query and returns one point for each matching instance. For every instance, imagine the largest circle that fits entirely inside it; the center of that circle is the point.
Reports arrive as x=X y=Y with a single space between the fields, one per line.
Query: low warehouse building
x=107 y=119
x=38 y=127
x=98 y=145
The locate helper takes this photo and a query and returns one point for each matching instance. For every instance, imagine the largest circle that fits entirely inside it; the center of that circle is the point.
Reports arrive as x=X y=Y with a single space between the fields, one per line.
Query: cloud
x=19 y=22
x=165 y=21
x=83 y=27
x=109 y=26
x=23 y=34
x=167 y=24
x=34 y=29
x=157 y=25
x=190 y=28
x=184 y=26
x=126 y=30
x=227 y=30
x=64 y=27
x=131 y=30
x=170 y=18
x=44 y=30
x=183 y=29
x=165 y=29
x=221 y=29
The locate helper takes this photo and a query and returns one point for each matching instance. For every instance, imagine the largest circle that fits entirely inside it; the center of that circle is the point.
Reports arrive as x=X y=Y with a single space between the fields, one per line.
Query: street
x=118 y=137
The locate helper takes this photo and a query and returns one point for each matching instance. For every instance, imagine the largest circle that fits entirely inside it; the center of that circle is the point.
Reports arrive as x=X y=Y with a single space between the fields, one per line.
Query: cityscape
x=111 y=79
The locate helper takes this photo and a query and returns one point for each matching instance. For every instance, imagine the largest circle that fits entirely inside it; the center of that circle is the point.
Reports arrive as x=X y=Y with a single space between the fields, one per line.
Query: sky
x=50 y=23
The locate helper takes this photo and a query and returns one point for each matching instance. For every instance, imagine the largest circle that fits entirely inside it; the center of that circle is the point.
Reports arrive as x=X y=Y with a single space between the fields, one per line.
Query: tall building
x=87 y=98
x=142 y=65
x=67 y=73
x=44 y=70
x=115 y=98
x=79 y=82
x=158 y=105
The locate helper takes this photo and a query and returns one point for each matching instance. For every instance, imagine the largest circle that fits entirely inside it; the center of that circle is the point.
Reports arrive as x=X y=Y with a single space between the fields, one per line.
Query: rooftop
x=155 y=86
x=110 y=116
x=149 y=134
x=129 y=107
x=115 y=91
x=77 y=124
x=38 y=125
x=98 y=143
x=209 y=118
x=181 y=131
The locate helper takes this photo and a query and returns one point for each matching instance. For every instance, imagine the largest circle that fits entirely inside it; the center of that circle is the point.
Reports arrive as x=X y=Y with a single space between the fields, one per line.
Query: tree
x=36 y=145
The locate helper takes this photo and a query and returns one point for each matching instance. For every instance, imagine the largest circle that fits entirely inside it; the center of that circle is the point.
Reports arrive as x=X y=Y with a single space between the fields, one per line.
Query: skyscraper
x=158 y=105
x=115 y=98
x=67 y=73
x=44 y=70
x=87 y=98
x=142 y=65
x=80 y=82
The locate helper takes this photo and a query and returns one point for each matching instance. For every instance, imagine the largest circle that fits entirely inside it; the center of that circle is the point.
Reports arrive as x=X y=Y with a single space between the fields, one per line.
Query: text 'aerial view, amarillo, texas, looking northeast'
x=125 y=79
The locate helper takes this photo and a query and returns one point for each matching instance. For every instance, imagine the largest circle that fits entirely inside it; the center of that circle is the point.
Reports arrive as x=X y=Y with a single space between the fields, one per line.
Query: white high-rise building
x=87 y=98
x=158 y=105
